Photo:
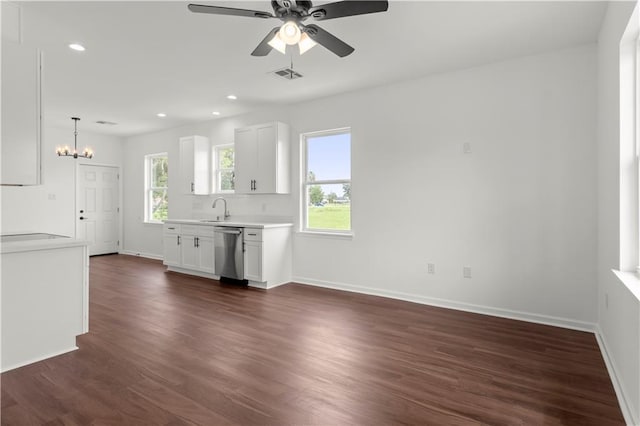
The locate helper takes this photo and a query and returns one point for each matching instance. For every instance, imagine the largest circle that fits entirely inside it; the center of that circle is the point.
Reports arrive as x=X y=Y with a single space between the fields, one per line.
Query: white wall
x=619 y=322
x=50 y=207
x=520 y=210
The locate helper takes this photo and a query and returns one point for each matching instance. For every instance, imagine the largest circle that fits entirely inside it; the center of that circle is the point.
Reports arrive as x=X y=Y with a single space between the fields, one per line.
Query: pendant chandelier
x=64 y=151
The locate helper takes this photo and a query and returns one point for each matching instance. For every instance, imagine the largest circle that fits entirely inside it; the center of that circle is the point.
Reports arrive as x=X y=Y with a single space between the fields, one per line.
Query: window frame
x=304 y=183
x=218 y=170
x=148 y=189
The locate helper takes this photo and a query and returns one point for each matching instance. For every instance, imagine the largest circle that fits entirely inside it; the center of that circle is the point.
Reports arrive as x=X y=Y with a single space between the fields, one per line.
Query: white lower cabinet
x=171 y=243
x=206 y=260
x=267 y=256
x=189 y=247
x=189 y=253
x=253 y=254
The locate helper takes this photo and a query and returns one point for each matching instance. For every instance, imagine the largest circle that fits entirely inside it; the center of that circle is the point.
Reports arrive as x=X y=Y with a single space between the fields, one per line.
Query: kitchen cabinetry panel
x=189 y=247
x=245 y=159
x=171 y=250
x=262 y=159
x=253 y=260
x=206 y=259
x=189 y=252
x=21 y=114
x=195 y=165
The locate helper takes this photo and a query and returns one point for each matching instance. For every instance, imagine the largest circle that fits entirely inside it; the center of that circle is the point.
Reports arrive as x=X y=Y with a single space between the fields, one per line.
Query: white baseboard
x=139 y=254
x=611 y=368
x=37 y=359
x=450 y=304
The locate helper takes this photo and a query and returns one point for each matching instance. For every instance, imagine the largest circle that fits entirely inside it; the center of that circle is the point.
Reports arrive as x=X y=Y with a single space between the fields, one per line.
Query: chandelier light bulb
x=290 y=33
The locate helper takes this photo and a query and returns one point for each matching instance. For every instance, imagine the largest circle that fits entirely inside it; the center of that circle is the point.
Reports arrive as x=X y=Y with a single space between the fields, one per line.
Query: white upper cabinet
x=21 y=114
x=195 y=165
x=262 y=159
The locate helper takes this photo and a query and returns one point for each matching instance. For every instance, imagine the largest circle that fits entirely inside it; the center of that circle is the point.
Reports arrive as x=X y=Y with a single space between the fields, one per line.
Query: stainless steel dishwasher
x=229 y=253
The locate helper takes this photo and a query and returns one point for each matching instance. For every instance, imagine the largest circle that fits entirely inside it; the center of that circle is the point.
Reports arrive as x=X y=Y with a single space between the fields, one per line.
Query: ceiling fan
x=293 y=13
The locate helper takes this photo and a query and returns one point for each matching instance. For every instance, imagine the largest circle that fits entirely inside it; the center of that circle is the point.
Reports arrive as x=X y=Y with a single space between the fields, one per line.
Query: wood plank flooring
x=170 y=349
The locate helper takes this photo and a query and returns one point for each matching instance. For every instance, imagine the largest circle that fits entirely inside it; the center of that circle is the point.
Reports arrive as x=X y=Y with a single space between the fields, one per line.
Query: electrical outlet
x=431 y=268
x=466 y=271
x=466 y=148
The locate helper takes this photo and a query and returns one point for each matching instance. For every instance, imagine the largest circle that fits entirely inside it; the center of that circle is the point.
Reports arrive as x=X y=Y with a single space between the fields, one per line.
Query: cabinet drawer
x=171 y=228
x=252 y=234
x=200 y=230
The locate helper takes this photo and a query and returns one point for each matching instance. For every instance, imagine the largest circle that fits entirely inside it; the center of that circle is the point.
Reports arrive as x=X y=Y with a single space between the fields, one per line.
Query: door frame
x=120 y=199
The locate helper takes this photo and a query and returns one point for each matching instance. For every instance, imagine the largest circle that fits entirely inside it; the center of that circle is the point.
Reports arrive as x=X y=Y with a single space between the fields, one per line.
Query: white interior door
x=97 y=209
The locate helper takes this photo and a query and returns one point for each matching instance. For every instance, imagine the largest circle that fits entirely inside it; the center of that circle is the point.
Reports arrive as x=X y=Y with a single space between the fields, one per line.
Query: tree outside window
x=156 y=187
x=225 y=168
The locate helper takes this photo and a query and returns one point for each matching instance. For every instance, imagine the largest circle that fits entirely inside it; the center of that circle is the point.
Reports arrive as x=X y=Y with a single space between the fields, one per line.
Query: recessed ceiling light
x=76 y=46
x=161 y=114
x=232 y=97
x=215 y=113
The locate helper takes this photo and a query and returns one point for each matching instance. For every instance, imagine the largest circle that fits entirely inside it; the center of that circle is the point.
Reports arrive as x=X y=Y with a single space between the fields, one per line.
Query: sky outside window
x=329 y=158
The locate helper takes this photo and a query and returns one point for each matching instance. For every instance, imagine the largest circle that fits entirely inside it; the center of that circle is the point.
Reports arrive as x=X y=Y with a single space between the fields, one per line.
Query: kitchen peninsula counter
x=45 y=296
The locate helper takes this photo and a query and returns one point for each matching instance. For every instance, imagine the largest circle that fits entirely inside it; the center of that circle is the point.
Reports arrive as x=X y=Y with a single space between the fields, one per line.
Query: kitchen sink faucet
x=226 y=212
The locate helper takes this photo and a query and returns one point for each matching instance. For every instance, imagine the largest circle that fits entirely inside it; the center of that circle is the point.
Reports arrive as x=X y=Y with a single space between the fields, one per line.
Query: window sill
x=631 y=280
x=320 y=234
x=153 y=223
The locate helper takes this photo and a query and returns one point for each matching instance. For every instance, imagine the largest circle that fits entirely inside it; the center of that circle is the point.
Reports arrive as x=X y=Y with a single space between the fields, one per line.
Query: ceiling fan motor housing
x=290 y=9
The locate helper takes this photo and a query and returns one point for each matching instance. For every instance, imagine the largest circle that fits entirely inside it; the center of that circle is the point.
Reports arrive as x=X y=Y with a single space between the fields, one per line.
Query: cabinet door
x=21 y=114
x=195 y=165
x=171 y=250
x=267 y=158
x=189 y=252
x=206 y=254
x=245 y=159
x=253 y=260
x=187 y=184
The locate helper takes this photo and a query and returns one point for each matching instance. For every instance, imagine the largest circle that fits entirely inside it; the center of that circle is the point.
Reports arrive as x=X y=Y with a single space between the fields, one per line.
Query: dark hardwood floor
x=170 y=349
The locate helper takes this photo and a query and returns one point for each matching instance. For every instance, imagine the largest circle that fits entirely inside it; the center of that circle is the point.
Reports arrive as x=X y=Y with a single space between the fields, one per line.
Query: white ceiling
x=155 y=56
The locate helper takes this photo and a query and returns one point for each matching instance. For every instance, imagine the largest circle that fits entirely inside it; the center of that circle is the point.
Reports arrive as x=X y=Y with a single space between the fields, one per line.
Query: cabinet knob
x=81 y=211
x=81 y=218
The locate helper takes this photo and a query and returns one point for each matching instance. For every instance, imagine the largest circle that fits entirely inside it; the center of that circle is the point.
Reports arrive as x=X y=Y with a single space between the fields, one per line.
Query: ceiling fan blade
x=347 y=8
x=264 y=48
x=219 y=10
x=328 y=40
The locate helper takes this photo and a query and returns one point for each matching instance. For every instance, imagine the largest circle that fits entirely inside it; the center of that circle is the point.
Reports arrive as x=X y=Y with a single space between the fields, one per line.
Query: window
x=225 y=163
x=326 y=182
x=156 y=201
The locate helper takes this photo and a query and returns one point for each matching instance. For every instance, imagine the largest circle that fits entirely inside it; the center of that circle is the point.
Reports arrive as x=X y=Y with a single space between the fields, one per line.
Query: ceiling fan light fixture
x=305 y=43
x=290 y=33
x=277 y=43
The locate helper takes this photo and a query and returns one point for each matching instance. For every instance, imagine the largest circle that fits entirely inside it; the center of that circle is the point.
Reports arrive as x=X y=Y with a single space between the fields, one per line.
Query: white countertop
x=240 y=224
x=32 y=244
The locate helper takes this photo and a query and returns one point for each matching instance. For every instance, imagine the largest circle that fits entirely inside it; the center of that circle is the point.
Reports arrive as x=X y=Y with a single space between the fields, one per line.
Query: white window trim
x=304 y=202
x=148 y=189
x=218 y=170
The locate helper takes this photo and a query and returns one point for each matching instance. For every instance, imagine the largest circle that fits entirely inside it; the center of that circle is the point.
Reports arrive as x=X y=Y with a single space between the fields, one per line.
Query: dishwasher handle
x=227 y=231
